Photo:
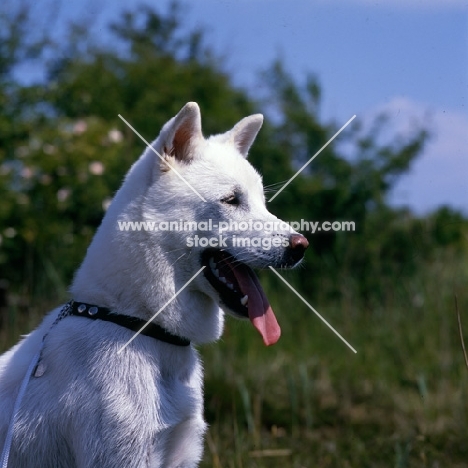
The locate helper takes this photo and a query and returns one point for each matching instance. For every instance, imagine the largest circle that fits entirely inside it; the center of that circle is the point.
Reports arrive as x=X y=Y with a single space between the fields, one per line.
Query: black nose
x=297 y=246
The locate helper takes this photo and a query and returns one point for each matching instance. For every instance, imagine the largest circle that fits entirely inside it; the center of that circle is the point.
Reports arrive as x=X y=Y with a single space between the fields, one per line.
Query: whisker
x=175 y=250
x=276 y=184
x=178 y=259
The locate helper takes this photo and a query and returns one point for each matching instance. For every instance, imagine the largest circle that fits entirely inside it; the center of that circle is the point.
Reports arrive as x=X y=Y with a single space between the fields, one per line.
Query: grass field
x=308 y=401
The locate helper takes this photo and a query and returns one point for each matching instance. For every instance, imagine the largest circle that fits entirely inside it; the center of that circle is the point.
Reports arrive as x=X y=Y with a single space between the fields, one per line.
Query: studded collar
x=81 y=309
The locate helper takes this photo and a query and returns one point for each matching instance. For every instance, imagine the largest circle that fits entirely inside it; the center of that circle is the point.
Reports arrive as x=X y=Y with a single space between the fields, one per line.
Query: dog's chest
x=165 y=385
x=179 y=394
x=150 y=383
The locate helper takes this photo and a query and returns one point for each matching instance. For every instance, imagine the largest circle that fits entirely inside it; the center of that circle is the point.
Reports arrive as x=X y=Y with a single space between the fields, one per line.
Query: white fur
x=144 y=407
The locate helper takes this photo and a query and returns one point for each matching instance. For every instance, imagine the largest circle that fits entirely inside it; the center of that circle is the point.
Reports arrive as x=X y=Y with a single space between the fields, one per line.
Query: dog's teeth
x=230 y=286
x=216 y=272
x=222 y=279
x=245 y=300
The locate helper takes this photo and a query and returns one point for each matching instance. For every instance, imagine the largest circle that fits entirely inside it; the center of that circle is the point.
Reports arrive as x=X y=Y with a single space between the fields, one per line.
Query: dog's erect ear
x=244 y=132
x=182 y=132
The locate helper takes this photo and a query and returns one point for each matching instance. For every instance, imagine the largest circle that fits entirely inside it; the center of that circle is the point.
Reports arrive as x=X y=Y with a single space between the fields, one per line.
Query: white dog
x=95 y=402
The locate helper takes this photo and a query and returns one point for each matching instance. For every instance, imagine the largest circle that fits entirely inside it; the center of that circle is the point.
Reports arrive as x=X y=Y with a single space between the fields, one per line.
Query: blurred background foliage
x=391 y=283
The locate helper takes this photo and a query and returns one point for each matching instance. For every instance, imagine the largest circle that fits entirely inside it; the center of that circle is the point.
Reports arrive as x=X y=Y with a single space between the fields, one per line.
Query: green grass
x=308 y=401
x=401 y=401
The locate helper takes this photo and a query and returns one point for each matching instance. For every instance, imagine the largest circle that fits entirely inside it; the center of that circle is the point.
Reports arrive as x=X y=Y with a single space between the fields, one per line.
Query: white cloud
x=440 y=175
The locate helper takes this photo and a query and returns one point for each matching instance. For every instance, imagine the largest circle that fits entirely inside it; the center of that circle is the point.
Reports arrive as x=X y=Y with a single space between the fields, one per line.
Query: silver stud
x=93 y=310
x=81 y=308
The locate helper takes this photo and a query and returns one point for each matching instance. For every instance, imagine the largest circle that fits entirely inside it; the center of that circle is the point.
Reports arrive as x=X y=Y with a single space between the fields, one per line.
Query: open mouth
x=240 y=291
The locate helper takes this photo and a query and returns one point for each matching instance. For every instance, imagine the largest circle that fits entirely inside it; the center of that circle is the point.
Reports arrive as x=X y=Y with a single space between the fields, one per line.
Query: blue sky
x=407 y=57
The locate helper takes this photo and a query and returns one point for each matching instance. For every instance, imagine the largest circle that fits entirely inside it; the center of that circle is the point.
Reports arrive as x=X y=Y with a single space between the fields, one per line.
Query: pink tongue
x=260 y=312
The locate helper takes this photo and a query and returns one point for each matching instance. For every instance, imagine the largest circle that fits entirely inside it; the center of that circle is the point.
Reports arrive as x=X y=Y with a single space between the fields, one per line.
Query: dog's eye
x=231 y=200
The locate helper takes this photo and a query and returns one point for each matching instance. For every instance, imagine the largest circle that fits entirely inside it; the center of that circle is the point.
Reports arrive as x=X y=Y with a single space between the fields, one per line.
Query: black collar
x=81 y=309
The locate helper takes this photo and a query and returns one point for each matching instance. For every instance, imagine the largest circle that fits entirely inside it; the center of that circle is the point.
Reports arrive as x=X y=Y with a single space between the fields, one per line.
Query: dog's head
x=208 y=187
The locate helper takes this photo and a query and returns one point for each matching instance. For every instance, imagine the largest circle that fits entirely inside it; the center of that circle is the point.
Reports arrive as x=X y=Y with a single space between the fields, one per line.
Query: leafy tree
x=66 y=151
x=387 y=243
